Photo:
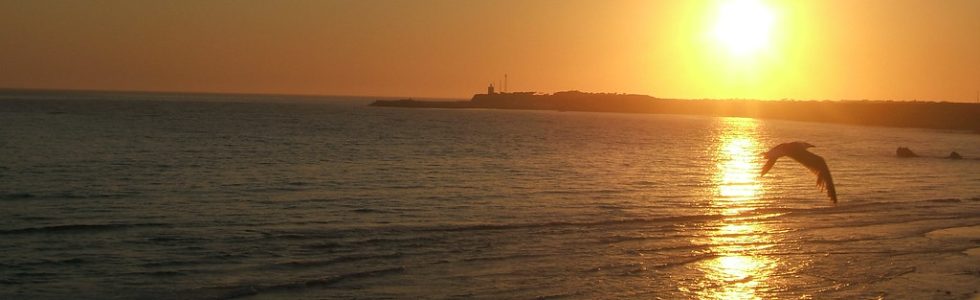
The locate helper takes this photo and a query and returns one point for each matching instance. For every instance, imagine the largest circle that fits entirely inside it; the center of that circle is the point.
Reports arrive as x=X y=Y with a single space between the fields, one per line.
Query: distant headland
x=936 y=115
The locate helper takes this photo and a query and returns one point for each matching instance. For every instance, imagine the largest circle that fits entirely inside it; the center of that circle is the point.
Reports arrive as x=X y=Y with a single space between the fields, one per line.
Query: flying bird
x=816 y=164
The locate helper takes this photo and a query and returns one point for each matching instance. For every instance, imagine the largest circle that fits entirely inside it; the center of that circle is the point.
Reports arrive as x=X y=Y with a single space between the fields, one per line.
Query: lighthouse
x=490 y=89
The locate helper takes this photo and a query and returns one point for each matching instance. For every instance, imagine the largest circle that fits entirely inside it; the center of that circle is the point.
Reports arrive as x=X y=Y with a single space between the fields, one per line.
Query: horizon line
x=308 y=95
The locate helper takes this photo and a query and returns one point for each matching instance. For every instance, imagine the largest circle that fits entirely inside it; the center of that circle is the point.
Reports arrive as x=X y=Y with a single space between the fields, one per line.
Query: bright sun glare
x=743 y=27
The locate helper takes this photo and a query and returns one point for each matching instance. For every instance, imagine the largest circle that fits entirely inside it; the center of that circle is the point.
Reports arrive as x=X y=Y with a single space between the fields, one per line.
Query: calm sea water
x=154 y=197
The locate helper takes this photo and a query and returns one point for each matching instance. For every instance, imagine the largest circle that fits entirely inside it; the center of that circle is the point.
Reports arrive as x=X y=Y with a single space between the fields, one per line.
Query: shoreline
x=931 y=115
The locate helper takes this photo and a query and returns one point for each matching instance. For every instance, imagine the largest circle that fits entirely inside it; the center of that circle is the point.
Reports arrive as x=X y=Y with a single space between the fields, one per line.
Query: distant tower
x=490 y=89
x=505 y=82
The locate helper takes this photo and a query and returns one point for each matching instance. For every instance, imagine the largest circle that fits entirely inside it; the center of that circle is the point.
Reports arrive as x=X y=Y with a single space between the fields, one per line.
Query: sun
x=743 y=27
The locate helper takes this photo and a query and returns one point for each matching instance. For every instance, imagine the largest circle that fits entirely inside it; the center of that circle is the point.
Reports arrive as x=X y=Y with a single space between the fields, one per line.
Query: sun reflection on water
x=737 y=166
x=739 y=268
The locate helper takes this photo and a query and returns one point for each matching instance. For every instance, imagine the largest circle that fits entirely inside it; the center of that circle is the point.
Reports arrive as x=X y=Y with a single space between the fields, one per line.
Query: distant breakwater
x=935 y=115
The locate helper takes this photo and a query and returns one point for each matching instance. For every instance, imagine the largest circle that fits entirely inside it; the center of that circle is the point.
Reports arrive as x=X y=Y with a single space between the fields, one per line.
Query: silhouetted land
x=938 y=115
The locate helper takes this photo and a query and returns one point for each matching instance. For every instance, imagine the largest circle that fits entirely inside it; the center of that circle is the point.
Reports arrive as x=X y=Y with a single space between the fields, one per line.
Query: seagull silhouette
x=816 y=164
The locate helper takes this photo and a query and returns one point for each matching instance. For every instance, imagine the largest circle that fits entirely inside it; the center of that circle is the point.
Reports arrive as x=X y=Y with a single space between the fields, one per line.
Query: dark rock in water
x=954 y=155
x=905 y=152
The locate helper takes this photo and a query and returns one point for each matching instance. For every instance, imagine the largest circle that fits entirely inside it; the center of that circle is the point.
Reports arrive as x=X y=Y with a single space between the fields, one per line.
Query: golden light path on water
x=737 y=269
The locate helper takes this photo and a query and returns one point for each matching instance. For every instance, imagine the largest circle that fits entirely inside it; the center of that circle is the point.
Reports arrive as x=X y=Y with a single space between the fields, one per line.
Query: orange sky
x=827 y=49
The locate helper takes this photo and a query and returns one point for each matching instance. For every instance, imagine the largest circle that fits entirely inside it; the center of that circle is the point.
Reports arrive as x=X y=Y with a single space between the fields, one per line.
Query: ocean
x=148 y=196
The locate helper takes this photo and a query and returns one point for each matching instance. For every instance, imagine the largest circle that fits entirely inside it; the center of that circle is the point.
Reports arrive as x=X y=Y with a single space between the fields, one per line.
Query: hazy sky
x=826 y=49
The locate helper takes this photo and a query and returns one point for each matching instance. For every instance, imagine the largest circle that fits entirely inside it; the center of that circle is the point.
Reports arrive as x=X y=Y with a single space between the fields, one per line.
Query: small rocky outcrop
x=905 y=152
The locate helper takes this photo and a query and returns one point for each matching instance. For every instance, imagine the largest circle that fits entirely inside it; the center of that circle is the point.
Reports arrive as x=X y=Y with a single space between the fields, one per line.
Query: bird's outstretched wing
x=769 y=163
x=772 y=155
x=818 y=166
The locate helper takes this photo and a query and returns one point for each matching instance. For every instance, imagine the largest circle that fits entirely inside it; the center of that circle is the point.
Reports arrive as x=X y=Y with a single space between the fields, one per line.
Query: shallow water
x=133 y=198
